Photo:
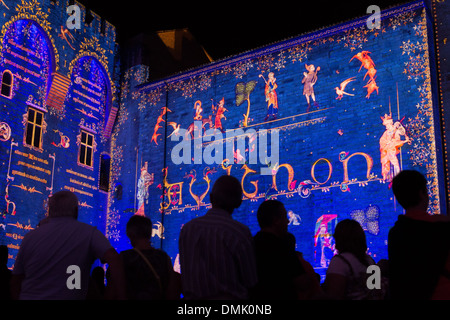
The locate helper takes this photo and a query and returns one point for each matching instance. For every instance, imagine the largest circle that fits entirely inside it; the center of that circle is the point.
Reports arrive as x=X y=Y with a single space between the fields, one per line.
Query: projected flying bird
x=340 y=91
x=175 y=126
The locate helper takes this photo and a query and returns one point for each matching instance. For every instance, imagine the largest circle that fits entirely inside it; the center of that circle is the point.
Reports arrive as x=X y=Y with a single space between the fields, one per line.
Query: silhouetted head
x=350 y=237
x=63 y=204
x=272 y=217
x=410 y=189
x=226 y=193
x=139 y=227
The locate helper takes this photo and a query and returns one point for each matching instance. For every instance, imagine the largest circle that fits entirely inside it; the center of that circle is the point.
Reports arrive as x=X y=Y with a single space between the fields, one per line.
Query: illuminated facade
x=346 y=108
x=58 y=103
x=353 y=106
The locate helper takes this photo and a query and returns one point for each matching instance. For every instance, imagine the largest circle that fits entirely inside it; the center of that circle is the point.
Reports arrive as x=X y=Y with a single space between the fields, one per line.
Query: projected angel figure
x=390 y=144
x=309 y=80
x=271 y=96
x=145 y=180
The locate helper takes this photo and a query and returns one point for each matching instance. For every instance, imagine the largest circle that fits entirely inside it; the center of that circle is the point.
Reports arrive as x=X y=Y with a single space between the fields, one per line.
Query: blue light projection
x=352 y=106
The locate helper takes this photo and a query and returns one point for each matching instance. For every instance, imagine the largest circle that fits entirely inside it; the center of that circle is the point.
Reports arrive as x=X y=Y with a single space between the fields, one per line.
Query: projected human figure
x=390 y=144
x=309 y=80
x=145 y=180
x=323 y=239
x=271 y=96
x=294 y=219
x=220 y=110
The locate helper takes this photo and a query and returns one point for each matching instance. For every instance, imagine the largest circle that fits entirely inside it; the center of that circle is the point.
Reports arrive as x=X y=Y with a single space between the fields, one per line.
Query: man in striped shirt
x=217 y=255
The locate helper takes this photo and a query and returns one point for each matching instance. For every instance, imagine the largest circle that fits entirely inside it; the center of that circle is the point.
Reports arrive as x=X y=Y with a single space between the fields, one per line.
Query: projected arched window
x=88 y=91
x=7 y=83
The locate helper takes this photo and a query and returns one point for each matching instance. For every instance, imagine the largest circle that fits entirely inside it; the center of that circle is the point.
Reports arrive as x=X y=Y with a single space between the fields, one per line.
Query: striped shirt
x=217 y=257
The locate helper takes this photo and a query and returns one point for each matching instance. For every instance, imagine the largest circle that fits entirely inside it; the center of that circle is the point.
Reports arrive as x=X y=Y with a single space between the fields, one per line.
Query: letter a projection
x=74 y=20
x=74 y=280
x=374 y=280
x=374 y=21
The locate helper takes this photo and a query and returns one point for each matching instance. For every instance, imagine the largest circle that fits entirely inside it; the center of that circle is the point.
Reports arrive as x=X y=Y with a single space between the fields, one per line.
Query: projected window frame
x=7 y=86
x=86 y=149
x=34 y=128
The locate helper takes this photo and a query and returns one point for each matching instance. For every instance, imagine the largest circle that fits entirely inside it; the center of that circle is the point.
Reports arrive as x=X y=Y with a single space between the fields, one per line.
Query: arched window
x=7 y=83
x=105 y=166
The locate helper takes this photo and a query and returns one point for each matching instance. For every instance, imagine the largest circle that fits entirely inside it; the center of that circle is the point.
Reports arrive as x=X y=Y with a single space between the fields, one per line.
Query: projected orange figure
x=371 y=87
x=369 y=65
x=157 y=126
x=220 y=110
x=390 y=144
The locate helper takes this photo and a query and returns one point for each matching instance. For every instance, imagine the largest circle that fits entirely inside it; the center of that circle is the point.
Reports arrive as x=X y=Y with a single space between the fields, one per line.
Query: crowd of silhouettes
x=221 y=260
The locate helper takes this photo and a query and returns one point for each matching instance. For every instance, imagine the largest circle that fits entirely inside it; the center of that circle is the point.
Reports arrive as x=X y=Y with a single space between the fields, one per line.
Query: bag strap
x=369 y=294
x=155 y=274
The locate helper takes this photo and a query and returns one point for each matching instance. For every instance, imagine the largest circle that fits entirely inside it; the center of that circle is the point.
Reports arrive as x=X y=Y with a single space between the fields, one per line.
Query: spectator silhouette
x=96 y=290
x=346 y=276
x=314 y=289
x=418 y=244
x=280 y=272
x=5 y=274
x=216 y=252
x=148 y=271
x=41 y=268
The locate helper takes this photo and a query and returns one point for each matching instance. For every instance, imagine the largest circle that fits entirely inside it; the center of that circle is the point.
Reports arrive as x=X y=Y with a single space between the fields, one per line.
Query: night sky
x=227 y=28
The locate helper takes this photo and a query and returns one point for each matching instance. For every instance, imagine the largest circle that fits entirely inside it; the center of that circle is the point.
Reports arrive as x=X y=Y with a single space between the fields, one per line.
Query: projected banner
x=321 y=123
